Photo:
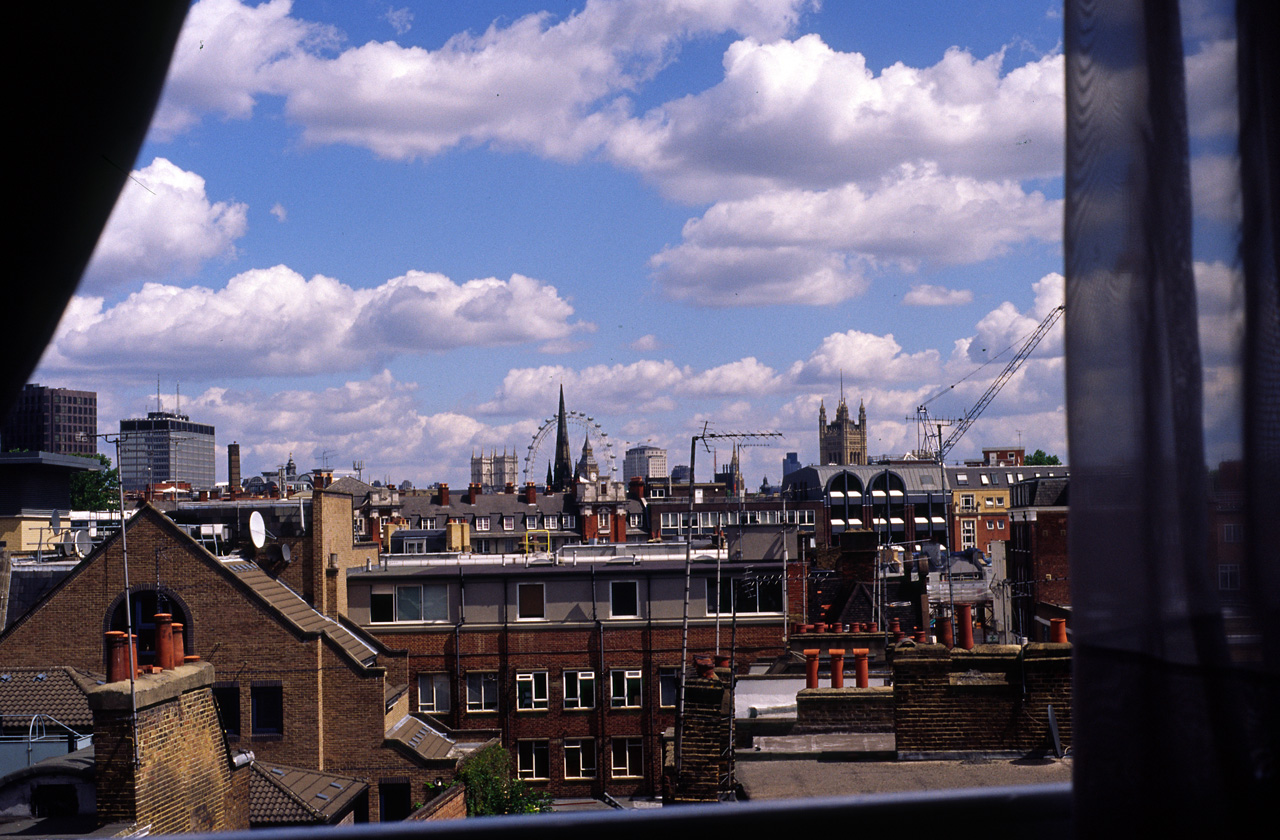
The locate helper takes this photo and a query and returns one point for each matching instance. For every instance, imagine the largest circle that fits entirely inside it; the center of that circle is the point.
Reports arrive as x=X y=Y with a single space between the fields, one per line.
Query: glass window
x=533 y=760
x=433 y=693
x=227 y=696
x=579 y=689
x=267 y=702
x=382 y=605
x=625 y=689
x=551 y=522
x=531 y=691
x=579 y=758
x=668 y=686
x=1229 y=576
x=754 y=596
x=624 y=599
x=482 y=523
x=508 y=523
x=628 y=758
x=1233 y=533
x=482 y=692
x=529 y=601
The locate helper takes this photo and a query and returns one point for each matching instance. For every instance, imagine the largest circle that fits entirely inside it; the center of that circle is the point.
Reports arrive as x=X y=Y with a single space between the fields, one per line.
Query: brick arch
x=143 y=597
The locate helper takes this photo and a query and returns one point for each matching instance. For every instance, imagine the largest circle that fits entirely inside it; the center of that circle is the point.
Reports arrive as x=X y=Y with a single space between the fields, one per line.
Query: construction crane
x=927 y=434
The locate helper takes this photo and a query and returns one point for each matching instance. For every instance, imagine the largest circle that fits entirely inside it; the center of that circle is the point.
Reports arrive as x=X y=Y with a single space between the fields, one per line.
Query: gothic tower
x=842 y=441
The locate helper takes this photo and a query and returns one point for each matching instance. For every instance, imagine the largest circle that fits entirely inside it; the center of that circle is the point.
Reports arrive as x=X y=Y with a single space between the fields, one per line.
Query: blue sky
x=388 y=232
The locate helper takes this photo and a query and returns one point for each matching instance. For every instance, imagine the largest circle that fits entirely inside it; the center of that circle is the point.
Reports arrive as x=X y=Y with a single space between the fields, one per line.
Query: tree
x=1040 y=459
x=491 y=789
x=96 y=489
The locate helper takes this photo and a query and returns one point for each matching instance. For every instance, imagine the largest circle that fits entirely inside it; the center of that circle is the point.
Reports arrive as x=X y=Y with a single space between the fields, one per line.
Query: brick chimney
x=635 y=489
x=510 y=488
x=180 y=777
x=530 y=493
x=474 y=492
x=233 y=469
x=444 y=494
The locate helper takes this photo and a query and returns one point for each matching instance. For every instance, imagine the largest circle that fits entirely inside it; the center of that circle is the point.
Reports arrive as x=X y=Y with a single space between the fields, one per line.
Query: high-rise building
x=646 y=462
x=52 y=420
x=790 y=464
x=166 y=447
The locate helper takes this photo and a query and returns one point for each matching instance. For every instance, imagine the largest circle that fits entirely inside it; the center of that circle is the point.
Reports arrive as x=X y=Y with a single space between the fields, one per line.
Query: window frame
x=535 y=683
x=540 y=588
x=228 y=712
x=631 y=683
x=579 y=678
x=635 y=589
x=583 y=748
x=632 y=747
x=668 y=680
x=266 y=707
x=530 y=753
x=482 y=680
x=437 y=682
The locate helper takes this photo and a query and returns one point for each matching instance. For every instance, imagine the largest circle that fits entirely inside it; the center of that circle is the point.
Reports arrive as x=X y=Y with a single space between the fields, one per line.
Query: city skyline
x=390 y=234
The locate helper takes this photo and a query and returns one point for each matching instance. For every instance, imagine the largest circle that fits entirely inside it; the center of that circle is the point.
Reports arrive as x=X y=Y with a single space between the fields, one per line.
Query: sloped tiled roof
x=282 y=795
x=299 y=613
x=420 y=739
x=57 y=691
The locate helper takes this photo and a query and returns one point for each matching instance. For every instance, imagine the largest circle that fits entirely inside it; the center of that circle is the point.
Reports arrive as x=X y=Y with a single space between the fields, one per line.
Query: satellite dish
x=83 y=543
x=286 y=554
x=257 y=530
x=55 y=522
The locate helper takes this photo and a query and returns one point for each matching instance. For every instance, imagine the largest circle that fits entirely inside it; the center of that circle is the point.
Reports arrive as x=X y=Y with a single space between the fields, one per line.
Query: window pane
x=435 y=603
x=624 y=599
x=382 y=606
x=668 y=686
x=529 y=601
x=408 y=603
x=267 y=702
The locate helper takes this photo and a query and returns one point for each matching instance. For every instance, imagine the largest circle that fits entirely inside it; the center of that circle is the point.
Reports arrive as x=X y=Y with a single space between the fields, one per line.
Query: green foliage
x=1040 y=459
x=96 y=489
x=491 y=788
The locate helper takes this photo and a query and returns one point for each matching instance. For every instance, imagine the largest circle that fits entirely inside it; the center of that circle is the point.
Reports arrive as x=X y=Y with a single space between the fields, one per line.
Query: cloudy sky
x=368 y=231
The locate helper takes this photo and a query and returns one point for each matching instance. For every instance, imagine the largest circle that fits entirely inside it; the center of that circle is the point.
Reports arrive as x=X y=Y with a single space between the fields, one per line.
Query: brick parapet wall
x=450 y=804
x=993 y=698
x=844 y=710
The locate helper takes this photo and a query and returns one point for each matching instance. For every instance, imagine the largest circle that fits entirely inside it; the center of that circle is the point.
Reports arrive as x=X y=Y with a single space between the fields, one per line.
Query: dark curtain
x=1175 y=719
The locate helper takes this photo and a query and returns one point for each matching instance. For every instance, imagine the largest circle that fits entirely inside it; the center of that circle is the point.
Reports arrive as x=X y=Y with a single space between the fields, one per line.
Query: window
x=990 y=501
x=625 y=689
x=754 y=595
x=633 y=520
x=624 y=599
x=962 y=478
x=433 y=693
x=227 y=696
x=968 y=533
x=389 y=603
x=1229 y=576
x=533 y=760
x=482 y=523
x=482 y=692
x=668 y=686
x=531 y=521
x=579 y=758
x=508 y=523
x=531 y=691
x=991 y=525
x=967 y=501
x=999 y=524
x=628 y=758
x=551 y=522
x=1233 y=532
x=567 y=522
x=579 y=690
x=603 y=519
x=529 y=602
x=267 y=701
x=985 y=479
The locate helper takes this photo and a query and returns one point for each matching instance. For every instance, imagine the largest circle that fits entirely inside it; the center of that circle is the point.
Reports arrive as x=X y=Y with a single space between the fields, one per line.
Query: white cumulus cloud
x=163 y=225
x=927 y=294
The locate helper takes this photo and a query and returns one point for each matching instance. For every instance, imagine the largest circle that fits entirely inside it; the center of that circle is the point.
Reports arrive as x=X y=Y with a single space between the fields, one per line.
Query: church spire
x=564 y=458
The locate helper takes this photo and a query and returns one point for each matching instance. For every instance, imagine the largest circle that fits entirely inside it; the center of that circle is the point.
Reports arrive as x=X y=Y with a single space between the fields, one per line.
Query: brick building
x=574 y=664
x=1038 y=567
x=295 y=683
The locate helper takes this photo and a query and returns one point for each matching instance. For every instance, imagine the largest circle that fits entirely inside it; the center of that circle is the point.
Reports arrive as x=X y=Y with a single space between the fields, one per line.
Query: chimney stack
x=510 y=488
x=635 y=489
x=233 y=469
x=473 y=493
x=530 y=493
x=444 y=494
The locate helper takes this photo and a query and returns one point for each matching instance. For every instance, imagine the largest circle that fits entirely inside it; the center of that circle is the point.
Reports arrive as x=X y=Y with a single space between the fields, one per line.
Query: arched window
x=145 y=603
x=845 y=500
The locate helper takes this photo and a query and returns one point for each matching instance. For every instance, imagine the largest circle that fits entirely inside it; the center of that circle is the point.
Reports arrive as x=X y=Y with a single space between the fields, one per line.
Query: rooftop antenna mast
x=761 y=439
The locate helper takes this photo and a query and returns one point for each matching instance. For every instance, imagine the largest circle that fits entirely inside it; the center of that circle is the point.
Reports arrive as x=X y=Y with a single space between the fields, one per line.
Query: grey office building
x=166 y=447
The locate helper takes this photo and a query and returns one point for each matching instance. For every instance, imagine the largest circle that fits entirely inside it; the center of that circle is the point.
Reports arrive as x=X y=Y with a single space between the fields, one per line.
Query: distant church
x=842 y=441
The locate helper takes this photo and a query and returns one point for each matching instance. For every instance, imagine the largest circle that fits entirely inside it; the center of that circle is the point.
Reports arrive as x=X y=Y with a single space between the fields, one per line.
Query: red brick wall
x=973 y=700
x=508 y=651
